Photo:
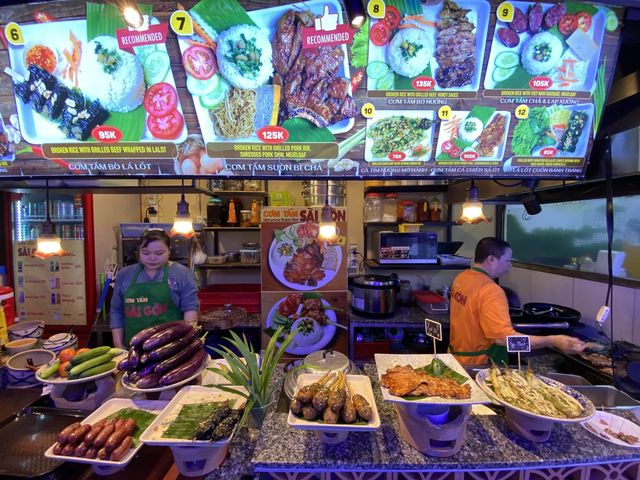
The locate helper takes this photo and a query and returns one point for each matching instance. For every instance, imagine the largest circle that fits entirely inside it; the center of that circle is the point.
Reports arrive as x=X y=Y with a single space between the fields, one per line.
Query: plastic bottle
x=373 y=207
x=435 y=210
x=423 y=210
x=255 y=213
x=232 y=220
x=389 y=207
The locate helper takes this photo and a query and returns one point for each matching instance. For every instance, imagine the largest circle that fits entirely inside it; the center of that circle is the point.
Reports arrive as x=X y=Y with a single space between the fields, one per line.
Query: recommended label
x=154 y=35
x=518 y=343
x=433 y=329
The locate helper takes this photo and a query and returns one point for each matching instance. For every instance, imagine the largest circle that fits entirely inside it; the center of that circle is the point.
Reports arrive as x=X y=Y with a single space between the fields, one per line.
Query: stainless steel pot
x=315 y=187
x=318 y=200
x=374 y=294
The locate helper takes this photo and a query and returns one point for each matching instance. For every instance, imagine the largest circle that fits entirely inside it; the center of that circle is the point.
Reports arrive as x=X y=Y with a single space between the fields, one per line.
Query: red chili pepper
x=43 y=17
x=356 y=79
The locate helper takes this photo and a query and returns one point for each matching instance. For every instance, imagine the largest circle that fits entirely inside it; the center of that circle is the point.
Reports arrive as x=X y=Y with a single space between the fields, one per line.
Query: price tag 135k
x=433 y=329
x=181 y=23
x=376 y=8
x=505 y=12
x=518 y=343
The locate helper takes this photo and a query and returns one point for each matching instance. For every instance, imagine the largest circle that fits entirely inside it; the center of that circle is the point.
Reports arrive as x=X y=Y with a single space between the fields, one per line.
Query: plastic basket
x=197 y=461
x=245 y=295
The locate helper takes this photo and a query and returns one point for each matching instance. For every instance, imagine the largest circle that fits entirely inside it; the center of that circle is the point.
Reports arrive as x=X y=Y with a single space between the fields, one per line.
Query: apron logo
x=139 y=311
x=460 y=298
x=142 y=300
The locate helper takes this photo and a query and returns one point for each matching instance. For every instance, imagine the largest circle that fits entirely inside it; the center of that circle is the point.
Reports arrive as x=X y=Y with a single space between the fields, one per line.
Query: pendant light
x=328 y=230
x=472 y=207
x=182 y=223
x=355 y=11
x=48 y=242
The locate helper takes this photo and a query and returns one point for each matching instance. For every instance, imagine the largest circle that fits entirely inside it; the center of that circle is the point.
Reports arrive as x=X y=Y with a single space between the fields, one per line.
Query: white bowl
x=28 y=329
x=60 y=341
x=17 y=346
x=18 y=375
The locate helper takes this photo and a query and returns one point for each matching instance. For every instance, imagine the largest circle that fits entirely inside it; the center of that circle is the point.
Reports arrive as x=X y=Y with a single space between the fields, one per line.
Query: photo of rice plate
x=400 y=136
x=560 y=42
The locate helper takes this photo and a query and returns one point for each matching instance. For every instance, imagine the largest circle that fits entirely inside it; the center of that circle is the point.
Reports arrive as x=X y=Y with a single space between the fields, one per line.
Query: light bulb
x=48 y=246
x=471 y=211
x=182 y=226
x=133 y=17
x=327 y=231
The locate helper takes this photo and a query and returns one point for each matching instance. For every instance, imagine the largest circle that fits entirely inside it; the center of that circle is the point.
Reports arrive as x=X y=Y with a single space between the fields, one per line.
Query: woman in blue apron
x=152 y=291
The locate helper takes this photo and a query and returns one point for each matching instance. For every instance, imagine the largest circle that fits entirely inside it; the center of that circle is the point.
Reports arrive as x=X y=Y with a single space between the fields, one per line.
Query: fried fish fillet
x=404 y=381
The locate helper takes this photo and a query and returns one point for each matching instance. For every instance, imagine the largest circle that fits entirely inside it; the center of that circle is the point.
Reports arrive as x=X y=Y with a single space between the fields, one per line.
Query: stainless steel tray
x=25 y=437
x=608 y=397
x=568 y=379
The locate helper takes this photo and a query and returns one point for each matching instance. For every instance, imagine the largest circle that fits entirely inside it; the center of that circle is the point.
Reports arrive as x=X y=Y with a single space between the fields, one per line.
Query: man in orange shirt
x=480 y=319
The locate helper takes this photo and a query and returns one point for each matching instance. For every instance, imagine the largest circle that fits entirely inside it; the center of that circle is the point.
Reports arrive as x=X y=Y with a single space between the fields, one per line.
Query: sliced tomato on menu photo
x=160 y=99
x=199 y=62
x=584 y=21
x=447 y=146
x=455 y=152
x=166 y=127
x=568 y=24
x=392 y=17
x=380 y=34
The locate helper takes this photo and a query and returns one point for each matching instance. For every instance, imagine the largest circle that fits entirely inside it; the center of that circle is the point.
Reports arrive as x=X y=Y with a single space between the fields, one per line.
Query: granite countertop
x=402 y=316
x=489 y=444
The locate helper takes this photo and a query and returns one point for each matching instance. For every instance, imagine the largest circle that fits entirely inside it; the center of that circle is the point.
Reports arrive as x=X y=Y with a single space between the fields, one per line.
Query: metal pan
x=540 y=312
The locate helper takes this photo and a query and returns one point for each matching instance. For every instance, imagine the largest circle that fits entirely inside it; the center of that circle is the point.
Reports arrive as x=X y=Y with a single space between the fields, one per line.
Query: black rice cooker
x=374 y=294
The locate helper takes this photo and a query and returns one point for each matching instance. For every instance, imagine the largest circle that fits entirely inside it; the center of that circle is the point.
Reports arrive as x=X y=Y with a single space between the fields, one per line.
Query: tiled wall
x=582 y=295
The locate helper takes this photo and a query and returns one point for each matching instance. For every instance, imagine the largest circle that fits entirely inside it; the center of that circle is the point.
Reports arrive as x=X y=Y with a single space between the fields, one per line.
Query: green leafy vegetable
x=302 y=130
x=190 y=415
x=533 y=132
x=599 y=94
x=360 y=47
x=439 y=369
x=142 y=417
x=407 y=7
x=220 y=15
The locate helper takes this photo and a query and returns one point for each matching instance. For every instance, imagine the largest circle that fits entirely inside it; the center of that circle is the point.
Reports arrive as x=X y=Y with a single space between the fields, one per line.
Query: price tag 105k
x=433 y=329
x=518 y=343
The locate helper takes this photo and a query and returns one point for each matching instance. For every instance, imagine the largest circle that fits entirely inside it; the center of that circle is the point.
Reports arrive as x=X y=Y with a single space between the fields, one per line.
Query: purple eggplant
x=144 y=358
x=133 y=358
x=150 y=381
x=124 y=365
x=146 y=370
x=169 y=349
x=165 y=336
x=133 y=377
x=185 y=370
x=138 y=339
x=180 y=357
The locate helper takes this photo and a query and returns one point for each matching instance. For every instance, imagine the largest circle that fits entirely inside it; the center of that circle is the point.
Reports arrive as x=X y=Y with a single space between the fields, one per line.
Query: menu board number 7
x=13 y=32
x=376 y=8
x=181 y=23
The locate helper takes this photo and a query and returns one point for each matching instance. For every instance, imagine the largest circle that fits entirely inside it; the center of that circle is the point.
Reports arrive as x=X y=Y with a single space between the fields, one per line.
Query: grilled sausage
x=63 y=436
x=80 y=450
x=95 y=430
x=78 y=434
x=57 y=449
x=103 y=454
x=102 y=437
x=508 y=37
x=122 y=449
x=67 y=450
x=519 y=22
x=553 y=16
x=535 y=18
x=119 y=435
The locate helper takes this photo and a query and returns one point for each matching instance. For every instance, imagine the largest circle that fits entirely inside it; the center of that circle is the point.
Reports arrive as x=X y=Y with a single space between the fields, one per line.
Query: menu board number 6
x=13 y=32
x=181 y=23
x=376 y=8
x=505 y=12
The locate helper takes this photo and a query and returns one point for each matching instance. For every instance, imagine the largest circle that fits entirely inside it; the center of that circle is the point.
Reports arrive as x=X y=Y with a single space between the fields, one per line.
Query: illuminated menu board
x=466 y=88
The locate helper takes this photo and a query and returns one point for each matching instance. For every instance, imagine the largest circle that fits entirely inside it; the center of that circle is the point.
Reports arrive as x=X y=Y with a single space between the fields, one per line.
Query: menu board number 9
x=13 y=32
x=505 y=12
x=376 y=8
x=181 y=23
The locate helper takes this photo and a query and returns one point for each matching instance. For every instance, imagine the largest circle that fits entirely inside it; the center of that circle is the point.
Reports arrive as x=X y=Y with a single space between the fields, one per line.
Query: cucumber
x=144 y=51
x=217 y=96
x=50 y=370
x=507 y=59
x=386 y=82
x=376 y=70
x=201 y=87
x=104 y=367
x=155 y=67
x=94 y=352
x=93 y=362
x=501 y=74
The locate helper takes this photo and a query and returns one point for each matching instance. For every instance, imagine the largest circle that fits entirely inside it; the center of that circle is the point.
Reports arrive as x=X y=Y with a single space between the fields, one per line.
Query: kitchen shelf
x=53 y=219
x=425 y=224
x=236 y=229
x=407 y=189
x=238 y=193
x=375 y=265
x=229 y=265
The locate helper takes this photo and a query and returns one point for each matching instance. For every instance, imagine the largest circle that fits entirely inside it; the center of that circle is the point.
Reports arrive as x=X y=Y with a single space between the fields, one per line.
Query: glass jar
x=435 y=212
x=250 y=253
x=423 y=210
x=404 y=295
x=245 y=218
x=252 y=185
x=234 y=185
x=389 y=207
x=214 y=212
x=408 y=211
x=372 y=207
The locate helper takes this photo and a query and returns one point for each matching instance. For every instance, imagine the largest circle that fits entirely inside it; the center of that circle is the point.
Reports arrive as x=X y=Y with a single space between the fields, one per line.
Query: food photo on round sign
x=300 y=260
x=313 y=315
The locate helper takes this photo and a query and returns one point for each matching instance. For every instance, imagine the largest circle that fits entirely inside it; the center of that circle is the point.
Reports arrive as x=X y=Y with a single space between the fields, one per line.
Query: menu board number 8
x=376 y=8
x=13 y=32
x=505 y=12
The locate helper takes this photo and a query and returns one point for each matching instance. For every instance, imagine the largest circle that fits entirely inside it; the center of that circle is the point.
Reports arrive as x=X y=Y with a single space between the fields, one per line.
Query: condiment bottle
x=214 y=212
x=434 y=210
x=423 y=210
x=390 y=208
x=232 y=220
x=255 y=213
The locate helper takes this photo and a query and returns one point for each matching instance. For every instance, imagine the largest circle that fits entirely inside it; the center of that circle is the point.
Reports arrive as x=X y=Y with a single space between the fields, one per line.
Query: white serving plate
x=385 y=361
x=602 y=420
x=66 y=381
x=188 y=395
x=125 y=382
x=426 y=142
x=596 y=32
x=267 y=19
x=109 y=408
x=34 y=127
x=358 y=384
x=479 y=16
x=588 y=406
x=499 y=149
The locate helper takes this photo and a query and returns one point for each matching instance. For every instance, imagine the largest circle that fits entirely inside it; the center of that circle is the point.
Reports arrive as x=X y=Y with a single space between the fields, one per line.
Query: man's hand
x=569 y=345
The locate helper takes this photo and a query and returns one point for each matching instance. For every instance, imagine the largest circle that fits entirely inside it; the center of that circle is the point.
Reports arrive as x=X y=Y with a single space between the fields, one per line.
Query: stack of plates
x=58 y=342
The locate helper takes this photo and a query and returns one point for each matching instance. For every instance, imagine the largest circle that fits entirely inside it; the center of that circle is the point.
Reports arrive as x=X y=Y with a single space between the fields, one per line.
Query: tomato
x=167 y=127
x=62 y=369
x=584 y=21
x=66 y=354
x=199 y=62
x=380 y=34
x=82 y=350
x=455 y=152
x=447 y=146
x=567 y=25
x=160 y=99
x=392 y=17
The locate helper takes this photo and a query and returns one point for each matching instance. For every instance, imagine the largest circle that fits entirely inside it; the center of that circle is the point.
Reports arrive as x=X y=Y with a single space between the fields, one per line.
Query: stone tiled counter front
x=490 y=452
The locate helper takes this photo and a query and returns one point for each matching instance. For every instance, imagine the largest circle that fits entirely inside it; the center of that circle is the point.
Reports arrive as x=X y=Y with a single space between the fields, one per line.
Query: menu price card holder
x=518 y=343
x=433 y=329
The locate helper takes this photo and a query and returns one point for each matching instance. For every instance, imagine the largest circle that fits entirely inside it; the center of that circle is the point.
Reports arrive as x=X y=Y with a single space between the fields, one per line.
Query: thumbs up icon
x=328 y=21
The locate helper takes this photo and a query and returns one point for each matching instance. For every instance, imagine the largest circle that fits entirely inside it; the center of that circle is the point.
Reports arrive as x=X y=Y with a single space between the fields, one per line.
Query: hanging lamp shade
x=48 y=243
x=472 y=207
